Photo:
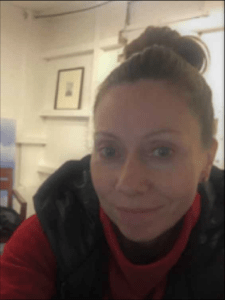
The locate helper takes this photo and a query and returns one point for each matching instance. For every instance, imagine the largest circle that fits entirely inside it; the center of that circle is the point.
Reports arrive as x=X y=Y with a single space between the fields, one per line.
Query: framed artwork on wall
x=69 y=88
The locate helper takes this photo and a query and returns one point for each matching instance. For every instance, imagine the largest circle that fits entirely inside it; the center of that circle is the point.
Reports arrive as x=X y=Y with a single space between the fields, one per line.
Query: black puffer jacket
x=68 y=209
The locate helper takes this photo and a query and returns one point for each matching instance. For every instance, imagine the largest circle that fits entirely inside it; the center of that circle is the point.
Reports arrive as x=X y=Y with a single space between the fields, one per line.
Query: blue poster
x=7 y=150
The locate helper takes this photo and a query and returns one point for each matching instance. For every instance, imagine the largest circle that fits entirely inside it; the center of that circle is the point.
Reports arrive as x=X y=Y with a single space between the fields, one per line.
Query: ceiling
x=53 y=7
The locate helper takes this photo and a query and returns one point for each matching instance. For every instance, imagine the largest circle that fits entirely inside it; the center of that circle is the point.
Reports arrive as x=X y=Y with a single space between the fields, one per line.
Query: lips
x=138 y=211
x=137 y=217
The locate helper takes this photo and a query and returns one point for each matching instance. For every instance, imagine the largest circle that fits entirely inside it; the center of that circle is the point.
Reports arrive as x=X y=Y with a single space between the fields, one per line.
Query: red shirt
x=28 y=265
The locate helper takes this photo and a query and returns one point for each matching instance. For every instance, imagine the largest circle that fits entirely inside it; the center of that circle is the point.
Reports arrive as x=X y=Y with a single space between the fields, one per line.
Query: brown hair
x=163 y=54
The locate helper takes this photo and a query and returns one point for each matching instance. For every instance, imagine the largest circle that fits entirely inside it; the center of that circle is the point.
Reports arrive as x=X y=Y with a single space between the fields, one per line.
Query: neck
x=142 y=253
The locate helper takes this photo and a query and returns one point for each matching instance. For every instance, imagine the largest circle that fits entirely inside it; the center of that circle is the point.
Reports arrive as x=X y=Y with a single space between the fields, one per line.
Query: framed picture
x=69 y=88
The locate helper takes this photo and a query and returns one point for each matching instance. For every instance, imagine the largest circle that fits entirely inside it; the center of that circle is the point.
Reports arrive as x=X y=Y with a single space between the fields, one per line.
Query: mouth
x=139 y=210
x=136 y=217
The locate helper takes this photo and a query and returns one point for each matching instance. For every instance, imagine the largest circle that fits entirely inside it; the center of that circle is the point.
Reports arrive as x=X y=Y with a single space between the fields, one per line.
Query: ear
x=210 y=156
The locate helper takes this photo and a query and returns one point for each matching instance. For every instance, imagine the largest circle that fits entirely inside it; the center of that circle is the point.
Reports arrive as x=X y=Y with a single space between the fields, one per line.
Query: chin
x=139 y=235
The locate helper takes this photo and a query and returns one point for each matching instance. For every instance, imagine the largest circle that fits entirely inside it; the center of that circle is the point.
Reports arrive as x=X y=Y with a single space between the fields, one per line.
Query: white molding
x=106 y=45
x=44 y=169
x=212 y=22
x=31 y=141
x=65 y=114
x=204 y=22
x=110 y=44
x=69 y=51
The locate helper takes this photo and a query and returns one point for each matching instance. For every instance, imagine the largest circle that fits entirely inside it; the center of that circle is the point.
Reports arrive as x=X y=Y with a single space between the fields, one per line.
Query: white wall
x=215 y=78
x=33 y=50
x=70 y=30
x=13 y=61
x=165 y=11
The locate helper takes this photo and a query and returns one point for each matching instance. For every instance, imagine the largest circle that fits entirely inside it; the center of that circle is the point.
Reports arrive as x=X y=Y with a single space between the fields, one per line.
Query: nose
x=132 y=178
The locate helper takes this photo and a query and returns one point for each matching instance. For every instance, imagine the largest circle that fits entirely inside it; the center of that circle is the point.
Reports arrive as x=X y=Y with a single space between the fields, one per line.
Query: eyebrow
x=151 y=134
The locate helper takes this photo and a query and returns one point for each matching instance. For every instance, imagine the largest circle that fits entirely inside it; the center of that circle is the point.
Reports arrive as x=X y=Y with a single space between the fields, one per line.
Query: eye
x=108 y=152
x=163 y=152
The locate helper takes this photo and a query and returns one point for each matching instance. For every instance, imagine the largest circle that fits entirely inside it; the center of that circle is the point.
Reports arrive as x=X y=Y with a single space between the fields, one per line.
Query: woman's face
x=147 y=155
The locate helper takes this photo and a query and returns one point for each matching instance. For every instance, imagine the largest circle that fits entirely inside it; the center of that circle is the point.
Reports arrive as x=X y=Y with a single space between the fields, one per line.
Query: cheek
x=176 y=189
x=178 y=182
x=179 y=191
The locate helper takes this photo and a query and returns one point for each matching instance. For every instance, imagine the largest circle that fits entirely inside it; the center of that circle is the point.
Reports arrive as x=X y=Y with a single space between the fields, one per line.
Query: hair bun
x=190 y=48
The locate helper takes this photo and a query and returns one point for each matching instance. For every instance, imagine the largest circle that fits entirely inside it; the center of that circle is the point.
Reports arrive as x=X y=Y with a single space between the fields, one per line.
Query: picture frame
x=69 y=89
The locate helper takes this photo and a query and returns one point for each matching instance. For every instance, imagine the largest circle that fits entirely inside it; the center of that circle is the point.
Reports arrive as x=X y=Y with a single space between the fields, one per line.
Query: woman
x=146 y=222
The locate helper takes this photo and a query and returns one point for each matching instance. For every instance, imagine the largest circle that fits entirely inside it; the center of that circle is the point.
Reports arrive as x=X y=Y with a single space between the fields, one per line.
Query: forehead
x=143 y=106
